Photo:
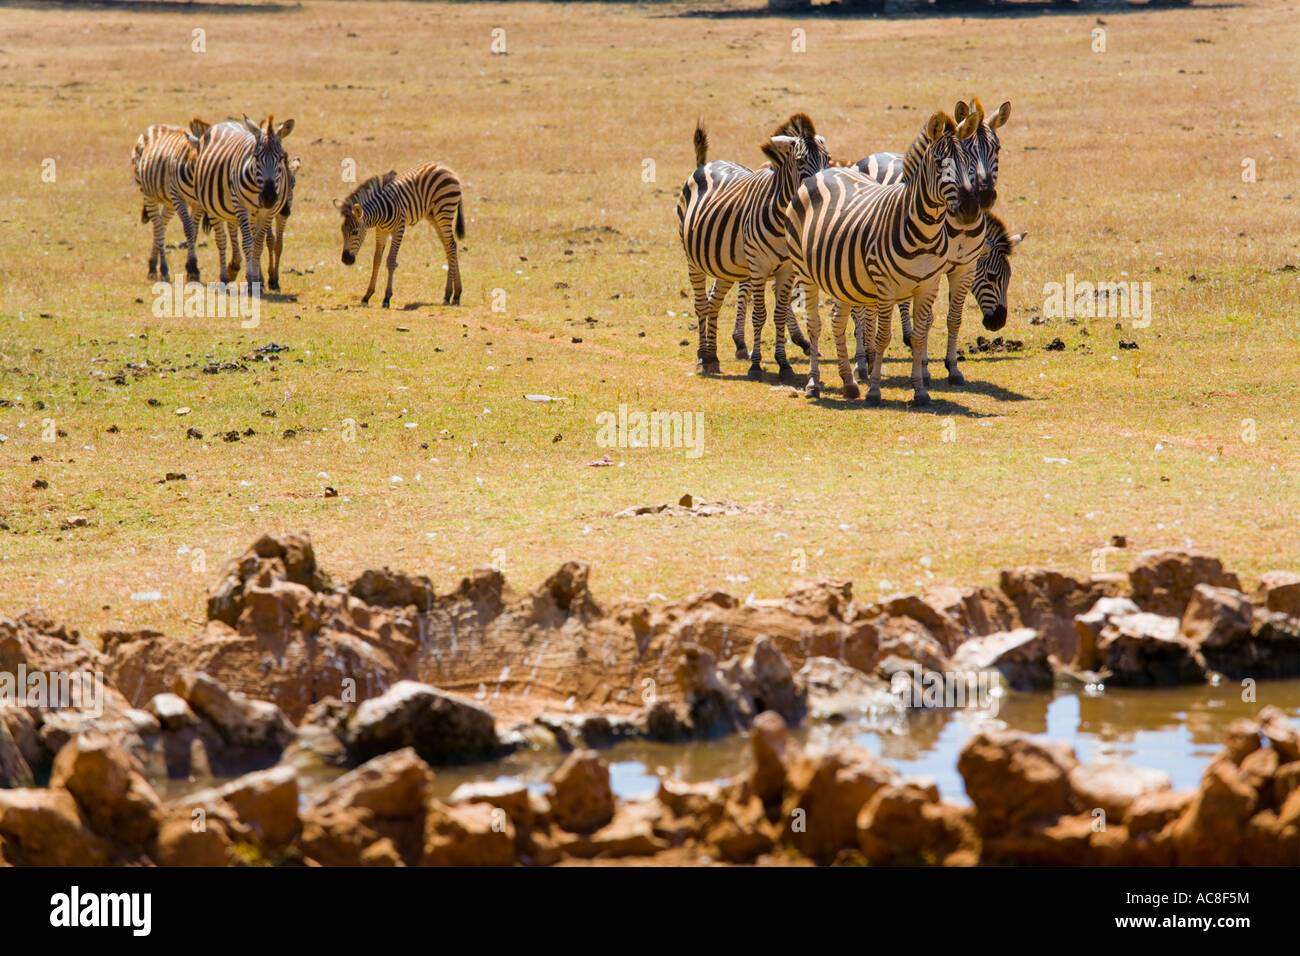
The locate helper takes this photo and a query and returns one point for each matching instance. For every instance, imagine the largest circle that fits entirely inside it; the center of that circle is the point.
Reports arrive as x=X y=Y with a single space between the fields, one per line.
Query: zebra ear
x=1001 y=116
x=960 y=111
x=939 y=124
x=252 y=127
x=1013 y=241
x=295 y=164
x=967 y=127
x=198 y=127
x=356 y=211
x=338 y=204
x=192 y=139
x=284 y=129
x=778 y=148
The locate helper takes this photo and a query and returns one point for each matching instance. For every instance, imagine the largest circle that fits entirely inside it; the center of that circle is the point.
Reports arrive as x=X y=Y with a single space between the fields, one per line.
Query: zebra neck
x=924 y=205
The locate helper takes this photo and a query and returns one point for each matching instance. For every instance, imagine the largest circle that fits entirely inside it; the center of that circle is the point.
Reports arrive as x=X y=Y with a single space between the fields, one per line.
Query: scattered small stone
x=576 y=339
x=1127 y=345
x=153 y=403
x=1056 y=345
x=331 y=492
x=289 y=433
x=230 y=436
x=76 y=521
x=113 y=429
x=1118 y=541
x=194 y=433
x=40 y=483
x=183 y=410
x=268 y=413
x=175 y=476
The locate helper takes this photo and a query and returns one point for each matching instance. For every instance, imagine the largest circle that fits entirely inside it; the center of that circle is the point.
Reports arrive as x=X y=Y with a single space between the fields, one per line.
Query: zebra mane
x=797 y=125
x=995 y=230
x=368 y=188
x=915 y=153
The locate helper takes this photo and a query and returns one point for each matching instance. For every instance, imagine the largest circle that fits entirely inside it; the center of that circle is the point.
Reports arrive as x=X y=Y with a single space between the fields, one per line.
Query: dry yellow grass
x=1125 y=164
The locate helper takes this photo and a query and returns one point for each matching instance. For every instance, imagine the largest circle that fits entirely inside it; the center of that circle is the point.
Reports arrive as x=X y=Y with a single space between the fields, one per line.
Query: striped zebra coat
x=988 y=276
x=163 y=164
x=861 y=243
x=275 y=241
x=731 y=221
x=389 y=204
x=243 y=178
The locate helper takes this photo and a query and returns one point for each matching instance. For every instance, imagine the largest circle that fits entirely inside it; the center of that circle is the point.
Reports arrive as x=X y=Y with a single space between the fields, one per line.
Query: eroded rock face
x=1144 y=650
x=1020 y=656
x=825 y=792
x=115 y=799
x=581 y=799
x=836 y=690
x=287 y=557
x=441 y=727
x=1162 y=581
x=721 y=699
x=1279 y=592
x=386 y=588
x=1049 y=601
x=907 y=825
x=46 y=828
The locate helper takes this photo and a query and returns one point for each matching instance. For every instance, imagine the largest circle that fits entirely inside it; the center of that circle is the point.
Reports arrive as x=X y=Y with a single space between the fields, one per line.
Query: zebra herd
x=236 y=180
x=867 y=236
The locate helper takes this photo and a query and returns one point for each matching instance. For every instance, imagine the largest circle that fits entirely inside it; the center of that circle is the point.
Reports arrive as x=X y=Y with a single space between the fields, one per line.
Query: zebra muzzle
x=348 y=258
x=996 y=319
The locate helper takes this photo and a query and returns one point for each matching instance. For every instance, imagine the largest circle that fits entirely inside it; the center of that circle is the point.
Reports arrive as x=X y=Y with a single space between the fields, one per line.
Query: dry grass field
x=1123 y=165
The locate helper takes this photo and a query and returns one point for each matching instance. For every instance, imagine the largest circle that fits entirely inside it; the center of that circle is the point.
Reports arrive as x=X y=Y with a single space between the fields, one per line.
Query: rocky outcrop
x=441 y=727
x=1048 y=601
x=1162 y=581
x=1020 y=656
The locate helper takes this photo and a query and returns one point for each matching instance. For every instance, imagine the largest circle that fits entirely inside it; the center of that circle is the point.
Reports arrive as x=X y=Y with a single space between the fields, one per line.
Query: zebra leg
x=758 y=297
x=451 y=292
x=959 y=281
x=860 y=335
x=884 y=315
x=708 y=360
x=699 y=286
x=813 y=387
x=392 y=264
x=219 y=232
x=742 y=307
x=162 y=213
x=191 y=242
x=151 y=213
x=905 y=313
x=236 y=252
x=274 y=244
x=923 y=314
x=261 y=225
x=839 y=320
x=795 y=335
x=253 y=274
x=381 y=240
x=781 y=293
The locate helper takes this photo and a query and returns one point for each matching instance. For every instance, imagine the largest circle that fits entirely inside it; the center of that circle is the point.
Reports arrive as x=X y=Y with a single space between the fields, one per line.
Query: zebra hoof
x=921 y=398
x=192 y=276
x=386 y=303
x=708 y=367
x=851 y=391
x=802 y=342
x=742 y=353
x=755 y=373
x=812 y=389
x=785 y=374
x=955 y=377
x=873 y=397
x=273 y=285
x=862 y=373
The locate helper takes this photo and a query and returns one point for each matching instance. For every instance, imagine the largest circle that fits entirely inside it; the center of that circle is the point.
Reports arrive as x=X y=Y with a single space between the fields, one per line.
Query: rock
x=1088 y=628
x=469 y=835
x=1163 y=581
x=508 y=795
x=116 y=800
x=944 y=629
x=630 y=833
x=562 y=596
x=1113 y=785
x=288 y=557
x=1153 y=810
x=664 y=723
x=46 y=828
x=1279 y=591
x=826 y=790
x=241 y=721
x=1143 y=650
x=836 y=690
x=395 y=589
x=582 y=799
x=443 y=728
x=1048 y=601
x=743 y=832
x=184 y=842
x=1209 y=832
x=1015 y=781
x=1272 y=649
x=267 y=803
x=1020 y=656
x=394 y=785
x=1217 y=618
x=768 y=741
x=14 y=769
x=1281 y=736
x=908 y=826
x=766 y=683
x=976 y=611
x=171 y=711
x=819 y=600
x=1241 y=739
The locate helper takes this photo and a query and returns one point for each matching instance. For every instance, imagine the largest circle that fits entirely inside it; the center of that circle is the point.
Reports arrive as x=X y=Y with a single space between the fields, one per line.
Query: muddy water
x=1174 y=729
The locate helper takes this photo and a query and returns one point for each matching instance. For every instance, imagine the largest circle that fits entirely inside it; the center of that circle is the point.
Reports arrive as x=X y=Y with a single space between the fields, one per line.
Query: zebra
x=985 y=146
x=389 y=203
x=275 y=241
x=865 y=244
x=731 y=221
x=242 y=178
x=162 y=163
x=988 y=276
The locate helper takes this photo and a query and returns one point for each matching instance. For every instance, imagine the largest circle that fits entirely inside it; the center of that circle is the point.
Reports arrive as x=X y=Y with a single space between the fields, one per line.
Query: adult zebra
x=243 y=178
x=865 y=244
x=731 y=221
x=988 y=276
x=162 y=163
x=389 y=204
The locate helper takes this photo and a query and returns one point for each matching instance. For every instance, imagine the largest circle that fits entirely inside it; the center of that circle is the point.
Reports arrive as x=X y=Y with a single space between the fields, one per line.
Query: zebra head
x=984 y=148
x=799 y=148
x=945 y=167
x=270 y=167
x=993 y=271
x=354 y=222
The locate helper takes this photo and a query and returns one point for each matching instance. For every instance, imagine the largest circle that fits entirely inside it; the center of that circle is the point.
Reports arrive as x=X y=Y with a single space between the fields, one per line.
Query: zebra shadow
x=413 y=306
x=972 y=9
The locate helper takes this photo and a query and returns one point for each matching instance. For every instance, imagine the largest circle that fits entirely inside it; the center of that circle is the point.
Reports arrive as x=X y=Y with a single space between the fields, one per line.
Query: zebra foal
x=162 y=163
x=389 y=204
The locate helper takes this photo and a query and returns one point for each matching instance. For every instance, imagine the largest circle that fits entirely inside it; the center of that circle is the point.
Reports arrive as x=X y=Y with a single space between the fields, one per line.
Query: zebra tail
x=460 y=219
x=144 y=214
x=207 y=223
x=701 y=145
